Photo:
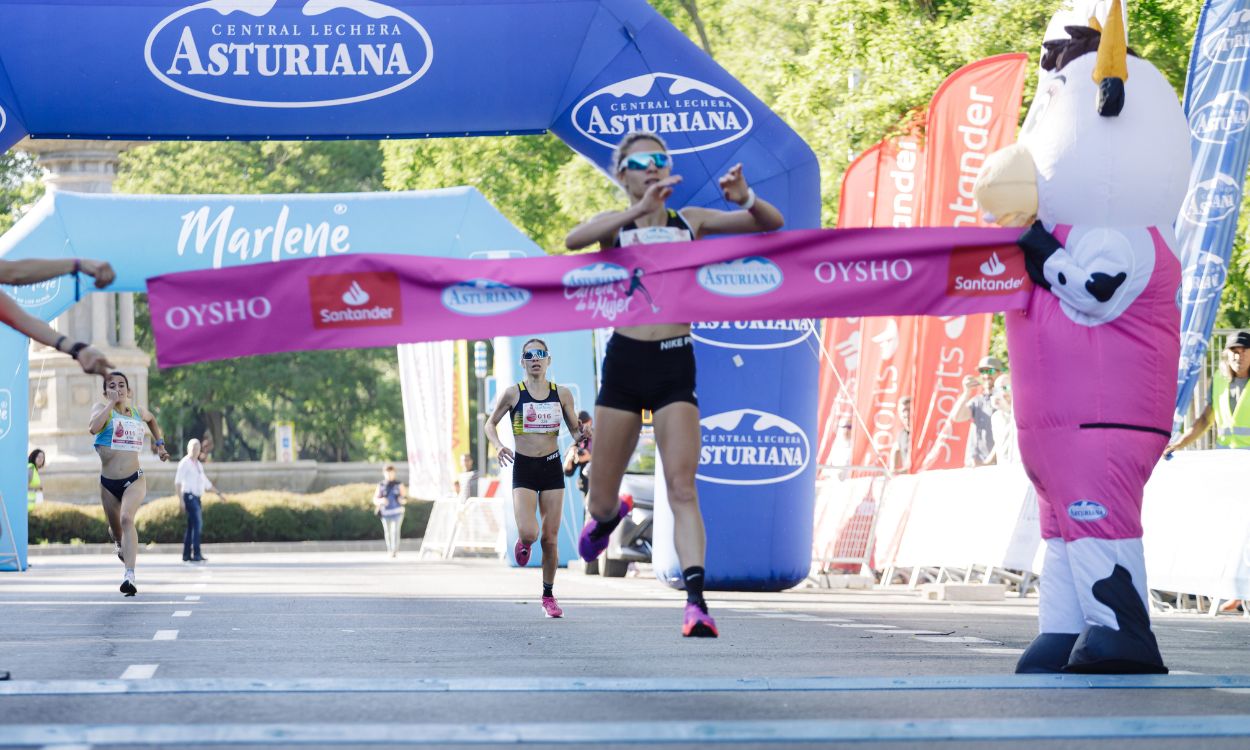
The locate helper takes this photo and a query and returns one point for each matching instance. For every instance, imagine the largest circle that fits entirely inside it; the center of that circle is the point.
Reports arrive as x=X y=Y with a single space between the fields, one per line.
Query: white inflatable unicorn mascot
x=1098 y=176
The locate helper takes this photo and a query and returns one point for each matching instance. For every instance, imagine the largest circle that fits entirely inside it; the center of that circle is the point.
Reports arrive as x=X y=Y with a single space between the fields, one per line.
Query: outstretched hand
x=734 y=186
x=93 y=362
x=653 y=199
x=99 y=270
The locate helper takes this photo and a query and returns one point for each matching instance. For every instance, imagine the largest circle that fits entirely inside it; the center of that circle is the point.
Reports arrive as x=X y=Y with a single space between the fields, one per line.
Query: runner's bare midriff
x=116 y=464
x=656 y=332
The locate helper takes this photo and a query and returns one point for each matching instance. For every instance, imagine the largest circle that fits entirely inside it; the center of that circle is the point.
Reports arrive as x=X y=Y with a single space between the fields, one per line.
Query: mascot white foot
x=1094 y=355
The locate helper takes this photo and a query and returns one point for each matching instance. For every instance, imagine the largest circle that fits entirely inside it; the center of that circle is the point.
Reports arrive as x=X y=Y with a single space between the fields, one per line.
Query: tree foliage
x=346 y=405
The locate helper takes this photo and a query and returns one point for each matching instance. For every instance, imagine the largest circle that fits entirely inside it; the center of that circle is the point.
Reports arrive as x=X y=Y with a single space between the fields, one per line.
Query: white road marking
x=193 y=598
x=623 y=685
x=657 y=732
x=139 y=672
x=860 y=625
x=900 y=631
x=952 y=639
x=165 y=635
x=182 y=613
x=1001 y=651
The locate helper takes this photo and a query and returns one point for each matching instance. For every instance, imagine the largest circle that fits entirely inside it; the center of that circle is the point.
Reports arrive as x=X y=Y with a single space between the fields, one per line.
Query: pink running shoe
x=521 y=552
x=595 y=535
x=551 y=608
x=697 y=623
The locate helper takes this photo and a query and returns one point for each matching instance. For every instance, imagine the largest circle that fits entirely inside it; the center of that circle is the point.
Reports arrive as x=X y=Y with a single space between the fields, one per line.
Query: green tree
x=346 y=405
x=20 y=187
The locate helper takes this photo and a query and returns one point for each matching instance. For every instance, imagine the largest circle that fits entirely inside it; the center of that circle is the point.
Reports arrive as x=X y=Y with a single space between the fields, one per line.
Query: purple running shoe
x=551 y=608
x=595 y=535
x=521 y=551
x=697 y=623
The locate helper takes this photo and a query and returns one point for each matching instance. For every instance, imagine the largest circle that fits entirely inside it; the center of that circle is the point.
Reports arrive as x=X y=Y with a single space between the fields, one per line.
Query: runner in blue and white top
x=118 y=426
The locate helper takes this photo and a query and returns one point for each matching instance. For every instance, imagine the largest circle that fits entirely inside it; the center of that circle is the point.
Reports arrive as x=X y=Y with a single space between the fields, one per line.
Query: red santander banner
x=974 y=113
x=887 y=346
x=840 y=337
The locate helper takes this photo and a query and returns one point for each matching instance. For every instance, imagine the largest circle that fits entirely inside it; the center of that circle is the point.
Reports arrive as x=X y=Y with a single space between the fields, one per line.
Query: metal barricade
x=476 y=525
x=844 y=529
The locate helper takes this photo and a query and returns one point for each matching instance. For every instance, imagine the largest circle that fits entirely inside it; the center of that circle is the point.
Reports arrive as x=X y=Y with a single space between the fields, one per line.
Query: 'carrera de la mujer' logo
x=263 y=53
x=663 y=103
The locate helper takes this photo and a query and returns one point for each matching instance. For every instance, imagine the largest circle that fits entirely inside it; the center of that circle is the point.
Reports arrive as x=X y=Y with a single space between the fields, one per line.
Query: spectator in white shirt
x=1003 y=422
x=191 y=483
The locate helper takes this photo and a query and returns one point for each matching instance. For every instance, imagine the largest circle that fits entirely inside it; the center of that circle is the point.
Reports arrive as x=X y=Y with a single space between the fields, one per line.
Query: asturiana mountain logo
x=355 y=296
x=1087 y=511
x=753 y=334
x=260 y=53
x=595 y=274
x=993 y=266
x=665 y=103
x=1212 y=200
x=484 y=297
x=743 y=277
x=1221 y=118
x=751 y=447
x=1204 y=278
x=1231 y=43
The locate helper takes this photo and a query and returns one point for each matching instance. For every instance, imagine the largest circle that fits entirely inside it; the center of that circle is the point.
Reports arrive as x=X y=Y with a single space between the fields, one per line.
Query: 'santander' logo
x=979 y=272
x=751 y=447
x=324 y=53
x=339 y=300
x=663 y=103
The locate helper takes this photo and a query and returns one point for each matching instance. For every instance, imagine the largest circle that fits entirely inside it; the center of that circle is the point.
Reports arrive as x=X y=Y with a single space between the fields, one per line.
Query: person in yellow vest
x=1230 y=406
x=34 y=485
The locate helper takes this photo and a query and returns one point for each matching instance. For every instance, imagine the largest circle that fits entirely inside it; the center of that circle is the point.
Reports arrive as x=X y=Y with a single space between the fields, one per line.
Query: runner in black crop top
x=537 y=406
x=652 y=366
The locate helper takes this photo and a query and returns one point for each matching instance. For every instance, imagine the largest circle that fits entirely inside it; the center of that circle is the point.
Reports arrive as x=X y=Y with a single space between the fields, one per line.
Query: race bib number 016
x=541 y=417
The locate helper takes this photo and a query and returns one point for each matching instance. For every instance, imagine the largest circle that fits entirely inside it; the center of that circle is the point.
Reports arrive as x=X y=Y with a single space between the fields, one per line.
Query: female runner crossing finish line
x=652 y=366
x=537 y=406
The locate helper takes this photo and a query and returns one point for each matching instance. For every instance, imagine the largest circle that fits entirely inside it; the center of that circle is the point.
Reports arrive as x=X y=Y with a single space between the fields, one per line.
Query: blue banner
x=589 y=71
x=1218 y=107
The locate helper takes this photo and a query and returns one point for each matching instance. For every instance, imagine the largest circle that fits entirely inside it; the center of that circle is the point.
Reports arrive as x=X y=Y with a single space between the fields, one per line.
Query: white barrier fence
x=1196 y=516
x=474 y=525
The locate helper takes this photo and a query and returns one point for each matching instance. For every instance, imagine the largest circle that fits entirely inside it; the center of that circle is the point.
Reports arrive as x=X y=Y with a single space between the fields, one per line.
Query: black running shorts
x=541 y=474
x=117 y=487
x=640 y=375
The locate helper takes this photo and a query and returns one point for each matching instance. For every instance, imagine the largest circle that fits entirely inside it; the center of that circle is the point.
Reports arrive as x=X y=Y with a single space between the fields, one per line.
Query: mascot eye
x=1046 y=93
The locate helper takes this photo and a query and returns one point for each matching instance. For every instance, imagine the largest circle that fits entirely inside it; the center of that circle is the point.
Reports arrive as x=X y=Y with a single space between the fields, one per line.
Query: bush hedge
x=339 y=513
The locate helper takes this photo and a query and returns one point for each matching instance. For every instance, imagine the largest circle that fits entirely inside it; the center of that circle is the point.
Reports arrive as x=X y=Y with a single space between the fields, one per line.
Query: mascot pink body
x=1093 y=358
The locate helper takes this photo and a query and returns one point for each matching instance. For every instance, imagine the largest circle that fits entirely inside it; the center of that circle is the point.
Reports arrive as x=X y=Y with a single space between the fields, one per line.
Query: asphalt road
x=352 y=648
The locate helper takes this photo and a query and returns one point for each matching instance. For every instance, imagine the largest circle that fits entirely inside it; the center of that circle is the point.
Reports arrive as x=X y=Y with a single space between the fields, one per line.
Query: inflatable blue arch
x=586 y=70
